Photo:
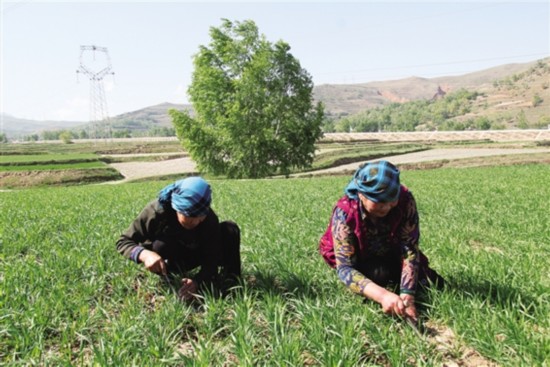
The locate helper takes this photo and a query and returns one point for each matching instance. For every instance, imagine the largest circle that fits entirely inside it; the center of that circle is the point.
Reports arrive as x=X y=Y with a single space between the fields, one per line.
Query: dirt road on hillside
x=138 y=170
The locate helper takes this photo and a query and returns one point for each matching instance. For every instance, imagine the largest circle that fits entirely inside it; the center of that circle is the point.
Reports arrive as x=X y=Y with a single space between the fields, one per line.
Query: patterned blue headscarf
x=378 y=181
x=190 y=196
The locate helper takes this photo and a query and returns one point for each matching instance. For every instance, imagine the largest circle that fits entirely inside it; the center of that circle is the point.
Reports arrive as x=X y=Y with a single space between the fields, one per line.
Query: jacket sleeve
x=140 y=232
x=344 y=251
x=409 y=235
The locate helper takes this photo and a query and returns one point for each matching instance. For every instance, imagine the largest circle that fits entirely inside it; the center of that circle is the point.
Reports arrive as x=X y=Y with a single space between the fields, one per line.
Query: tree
x=253 y=103
x=83 y=134
x=32 y=137
x=66 y=136
x=482 y=123
x=51 y=134
x=522 y=121
x=537 y=100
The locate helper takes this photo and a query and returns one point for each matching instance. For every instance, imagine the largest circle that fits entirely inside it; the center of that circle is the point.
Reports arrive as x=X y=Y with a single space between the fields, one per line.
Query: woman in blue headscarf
x=372 y=240
x=178 y=232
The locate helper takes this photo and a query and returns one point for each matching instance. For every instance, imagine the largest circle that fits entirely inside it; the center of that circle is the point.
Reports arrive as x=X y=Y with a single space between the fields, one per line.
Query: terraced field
x=185 y=165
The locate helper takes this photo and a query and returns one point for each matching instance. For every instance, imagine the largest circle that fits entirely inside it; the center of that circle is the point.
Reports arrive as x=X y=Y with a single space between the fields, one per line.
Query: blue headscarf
x=190 y=196
x=378 y=181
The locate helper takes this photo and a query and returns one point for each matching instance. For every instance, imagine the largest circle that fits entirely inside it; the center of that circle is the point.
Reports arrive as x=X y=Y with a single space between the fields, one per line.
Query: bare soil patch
x=454 y=352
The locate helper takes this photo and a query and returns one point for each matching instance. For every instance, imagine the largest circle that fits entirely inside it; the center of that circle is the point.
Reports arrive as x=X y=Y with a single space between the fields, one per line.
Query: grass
x=53 y=166
x=96 y=147
x=43 y=162
x=67 y=297
x=32 y=170
x=31 y=159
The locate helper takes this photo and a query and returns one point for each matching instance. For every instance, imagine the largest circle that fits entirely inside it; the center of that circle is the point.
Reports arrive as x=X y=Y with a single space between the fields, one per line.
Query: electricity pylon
x=98 y=103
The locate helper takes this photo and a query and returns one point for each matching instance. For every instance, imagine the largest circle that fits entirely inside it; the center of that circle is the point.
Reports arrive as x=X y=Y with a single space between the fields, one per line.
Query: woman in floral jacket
x=372 y=240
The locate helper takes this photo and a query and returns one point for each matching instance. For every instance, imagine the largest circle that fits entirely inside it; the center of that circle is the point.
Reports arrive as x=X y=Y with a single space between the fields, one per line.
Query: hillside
x=520 y=100
x=349 y=99
x=155 y=115
x=516 y=94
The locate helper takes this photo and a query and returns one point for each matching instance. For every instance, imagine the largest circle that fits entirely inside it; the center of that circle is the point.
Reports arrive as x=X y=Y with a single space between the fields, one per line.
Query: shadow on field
x=498 y=294
x=287 y=284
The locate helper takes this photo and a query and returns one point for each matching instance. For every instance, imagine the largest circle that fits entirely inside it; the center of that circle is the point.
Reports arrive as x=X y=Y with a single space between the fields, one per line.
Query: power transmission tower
x=98 y=103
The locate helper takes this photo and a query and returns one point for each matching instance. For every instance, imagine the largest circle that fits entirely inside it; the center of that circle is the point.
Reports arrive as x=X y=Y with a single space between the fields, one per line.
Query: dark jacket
x=157 y=223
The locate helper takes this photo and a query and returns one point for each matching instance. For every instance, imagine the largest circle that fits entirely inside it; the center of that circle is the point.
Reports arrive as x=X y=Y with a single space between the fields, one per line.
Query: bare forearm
x=375 y=292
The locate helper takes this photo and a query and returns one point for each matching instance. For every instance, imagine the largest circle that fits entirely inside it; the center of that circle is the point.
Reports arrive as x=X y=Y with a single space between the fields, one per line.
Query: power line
x=434 y=64
x=98 y=102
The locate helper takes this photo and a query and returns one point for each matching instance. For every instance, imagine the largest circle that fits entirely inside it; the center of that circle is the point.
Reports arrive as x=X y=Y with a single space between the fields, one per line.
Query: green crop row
x=67 y=297
x=21 y=159
x=53 y=166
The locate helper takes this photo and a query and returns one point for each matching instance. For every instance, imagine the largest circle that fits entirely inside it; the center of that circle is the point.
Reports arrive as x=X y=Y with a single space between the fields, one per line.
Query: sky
x=151 y=45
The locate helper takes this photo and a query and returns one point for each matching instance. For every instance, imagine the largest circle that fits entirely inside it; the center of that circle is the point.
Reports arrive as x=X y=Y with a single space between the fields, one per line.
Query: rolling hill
x=349 y=99
x=507 y=91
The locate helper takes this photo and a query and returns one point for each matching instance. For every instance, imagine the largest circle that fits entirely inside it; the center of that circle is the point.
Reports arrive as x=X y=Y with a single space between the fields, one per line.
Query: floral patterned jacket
x=351 y=237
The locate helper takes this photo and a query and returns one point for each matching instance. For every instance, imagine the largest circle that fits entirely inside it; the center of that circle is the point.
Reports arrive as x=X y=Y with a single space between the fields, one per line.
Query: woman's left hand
x=188 y=289
x=410 y=307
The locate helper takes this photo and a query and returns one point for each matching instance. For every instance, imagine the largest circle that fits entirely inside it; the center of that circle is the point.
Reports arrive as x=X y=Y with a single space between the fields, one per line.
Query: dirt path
x=137 y=170
x=436 y=155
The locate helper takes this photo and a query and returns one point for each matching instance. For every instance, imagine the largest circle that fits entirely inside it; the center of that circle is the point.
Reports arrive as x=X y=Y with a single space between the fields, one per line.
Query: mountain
x=13 y=126
x=508 y=90
x=157 y=114
x=349 y=99
x=146 y=119
x=143 y=119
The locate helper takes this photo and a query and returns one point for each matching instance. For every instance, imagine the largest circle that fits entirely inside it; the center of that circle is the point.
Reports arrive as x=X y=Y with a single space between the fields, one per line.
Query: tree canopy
x=253 y=102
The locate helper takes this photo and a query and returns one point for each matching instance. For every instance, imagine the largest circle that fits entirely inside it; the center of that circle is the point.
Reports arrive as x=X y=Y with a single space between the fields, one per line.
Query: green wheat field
x=67 y=298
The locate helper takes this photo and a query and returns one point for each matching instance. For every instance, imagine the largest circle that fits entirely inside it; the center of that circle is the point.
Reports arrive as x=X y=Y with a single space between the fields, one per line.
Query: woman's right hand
x=153 y=262
x=392 y=304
